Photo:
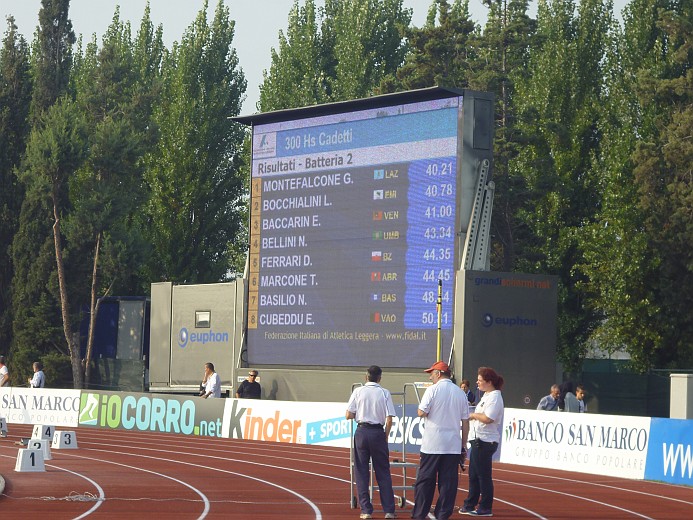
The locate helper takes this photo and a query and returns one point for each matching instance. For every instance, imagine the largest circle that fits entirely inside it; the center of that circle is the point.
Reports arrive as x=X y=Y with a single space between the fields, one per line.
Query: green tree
x=560 y=105
x=295 y=77
x=361 y=43
x=37 y=326
x=54 y=152
x=52 y=55
x=439 y=52
x=501 y=59
x=107 y=191
x=342 y=53
x=194 y=174
x=640 y=263
x=15 y=96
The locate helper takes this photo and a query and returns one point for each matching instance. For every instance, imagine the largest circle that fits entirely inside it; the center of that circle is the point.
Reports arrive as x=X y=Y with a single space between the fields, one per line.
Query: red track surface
x=120 y=474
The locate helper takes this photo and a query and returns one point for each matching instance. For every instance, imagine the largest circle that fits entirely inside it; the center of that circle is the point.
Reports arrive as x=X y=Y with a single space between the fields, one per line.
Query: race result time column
x=430 y=244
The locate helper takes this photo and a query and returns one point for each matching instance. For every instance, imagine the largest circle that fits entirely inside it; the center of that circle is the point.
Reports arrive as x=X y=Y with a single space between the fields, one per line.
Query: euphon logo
x=185 y=337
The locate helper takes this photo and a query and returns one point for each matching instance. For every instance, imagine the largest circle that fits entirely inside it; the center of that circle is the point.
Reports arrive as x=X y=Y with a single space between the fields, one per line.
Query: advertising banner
x=39 y=406
x=287 y=421
x=588 y=443
x=670 y=453
x=407 y=430
x=190 y=415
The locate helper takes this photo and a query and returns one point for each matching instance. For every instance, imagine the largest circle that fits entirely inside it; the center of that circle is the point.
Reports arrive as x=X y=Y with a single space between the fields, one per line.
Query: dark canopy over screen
x=353 y=222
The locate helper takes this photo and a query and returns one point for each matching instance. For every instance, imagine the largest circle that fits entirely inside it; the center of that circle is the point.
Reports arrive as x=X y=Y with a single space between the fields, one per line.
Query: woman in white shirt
x=484 y=433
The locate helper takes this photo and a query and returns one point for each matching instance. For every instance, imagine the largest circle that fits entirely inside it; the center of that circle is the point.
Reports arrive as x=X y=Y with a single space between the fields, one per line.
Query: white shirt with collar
x=446 y=405
x=371 y=403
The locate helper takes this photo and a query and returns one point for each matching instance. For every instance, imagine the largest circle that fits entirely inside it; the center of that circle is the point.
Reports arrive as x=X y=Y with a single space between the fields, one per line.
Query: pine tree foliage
x=440 y=52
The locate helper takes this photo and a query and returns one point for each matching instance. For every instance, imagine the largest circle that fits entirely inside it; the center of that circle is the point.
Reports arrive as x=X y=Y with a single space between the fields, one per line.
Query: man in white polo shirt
x=446 y=410
x=372 y=407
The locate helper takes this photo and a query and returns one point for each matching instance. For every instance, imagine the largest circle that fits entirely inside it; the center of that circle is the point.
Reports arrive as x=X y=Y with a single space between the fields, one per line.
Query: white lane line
x=101 y=497
x=205 y=500
x=316 y=510
x=579 y=497
x=607 y=486
x=205 y=451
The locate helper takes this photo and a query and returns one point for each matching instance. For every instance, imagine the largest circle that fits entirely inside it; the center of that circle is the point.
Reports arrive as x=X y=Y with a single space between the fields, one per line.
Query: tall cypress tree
x=36 y=297
x=501 y=61
x=15 y=95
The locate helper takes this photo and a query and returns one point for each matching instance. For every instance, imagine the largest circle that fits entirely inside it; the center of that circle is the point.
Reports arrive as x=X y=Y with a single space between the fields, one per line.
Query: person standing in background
x=212 y=382
x=372 y=407
x=466 y=388
x=580 y=396
x=567 y=402
x=550 y=402
x=39 y=379
x=484 y=434
x=4 y=373
x=250 y=388
x=445 y=408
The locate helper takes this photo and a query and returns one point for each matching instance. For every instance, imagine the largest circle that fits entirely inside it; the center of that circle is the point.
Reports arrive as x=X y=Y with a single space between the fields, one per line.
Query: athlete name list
x=352 y=255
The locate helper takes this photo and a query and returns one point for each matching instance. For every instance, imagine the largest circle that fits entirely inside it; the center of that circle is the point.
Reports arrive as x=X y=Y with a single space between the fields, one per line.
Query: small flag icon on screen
x=376 y=276
x=378 y=174
x=377 y=215
x=377 y=194
x=375 y=297
x=376 y=256
x=375 y=317
x=377 y=235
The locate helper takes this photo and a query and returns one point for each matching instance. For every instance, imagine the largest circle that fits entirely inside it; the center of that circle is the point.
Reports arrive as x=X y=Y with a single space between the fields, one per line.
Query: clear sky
x=257 y=24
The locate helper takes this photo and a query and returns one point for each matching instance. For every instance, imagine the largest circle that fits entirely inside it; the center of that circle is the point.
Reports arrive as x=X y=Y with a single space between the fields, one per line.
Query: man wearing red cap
x=446 y=411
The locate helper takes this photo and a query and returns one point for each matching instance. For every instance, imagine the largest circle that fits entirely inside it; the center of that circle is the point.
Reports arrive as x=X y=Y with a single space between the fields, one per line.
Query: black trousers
x=432 y=467
x=481 y=475
x=370 y=444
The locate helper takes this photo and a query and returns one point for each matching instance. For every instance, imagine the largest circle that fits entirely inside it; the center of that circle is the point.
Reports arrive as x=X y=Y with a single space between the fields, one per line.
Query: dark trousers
x=480 y=475
x=444 y=469
x=371 y=444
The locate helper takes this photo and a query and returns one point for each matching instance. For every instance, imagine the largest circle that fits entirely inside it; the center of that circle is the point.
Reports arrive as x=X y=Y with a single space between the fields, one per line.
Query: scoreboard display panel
x=352 y=225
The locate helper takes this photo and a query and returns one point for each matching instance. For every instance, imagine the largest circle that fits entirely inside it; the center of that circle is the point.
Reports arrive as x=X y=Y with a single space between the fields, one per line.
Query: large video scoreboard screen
x=353 y=220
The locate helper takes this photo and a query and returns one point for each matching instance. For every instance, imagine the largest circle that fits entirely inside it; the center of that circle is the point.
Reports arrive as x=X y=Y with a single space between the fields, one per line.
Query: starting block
x=29 y=460
x=43 y=445
x=64 y=440
x=42 y=431
x=3 y=427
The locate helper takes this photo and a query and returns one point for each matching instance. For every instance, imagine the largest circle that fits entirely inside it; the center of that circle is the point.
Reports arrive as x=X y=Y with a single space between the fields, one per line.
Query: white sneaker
x=365 y=516
x=390 y=515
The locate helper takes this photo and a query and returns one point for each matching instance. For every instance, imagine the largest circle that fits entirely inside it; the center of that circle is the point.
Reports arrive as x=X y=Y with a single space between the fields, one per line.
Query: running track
x=121 y=474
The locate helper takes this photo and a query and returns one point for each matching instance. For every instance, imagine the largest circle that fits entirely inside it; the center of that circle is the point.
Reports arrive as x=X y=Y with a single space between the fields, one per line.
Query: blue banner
x=670 y=451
